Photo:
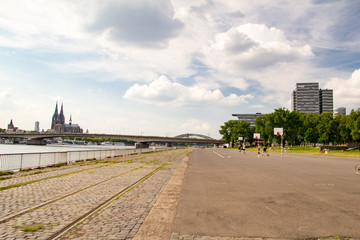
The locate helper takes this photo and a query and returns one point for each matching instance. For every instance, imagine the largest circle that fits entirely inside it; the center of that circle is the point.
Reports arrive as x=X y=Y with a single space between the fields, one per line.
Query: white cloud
x=346 y=91
x=251 y=47
x=4 y=94
x=195 y=126
x=46 y=25
x=142 y=23
x=163 y=91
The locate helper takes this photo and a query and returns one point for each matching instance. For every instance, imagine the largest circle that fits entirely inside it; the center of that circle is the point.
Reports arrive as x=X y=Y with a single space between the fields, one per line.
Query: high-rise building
x=37 y=126
x=341 y=111
x=308 y=98
x=326 y=100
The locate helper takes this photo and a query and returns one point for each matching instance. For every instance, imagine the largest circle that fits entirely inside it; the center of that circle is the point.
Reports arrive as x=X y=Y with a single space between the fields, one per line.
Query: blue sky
x=171 y=67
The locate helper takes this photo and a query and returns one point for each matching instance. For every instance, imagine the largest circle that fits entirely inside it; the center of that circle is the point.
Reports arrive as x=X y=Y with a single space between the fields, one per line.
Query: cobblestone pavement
x=23 y=197
x=39 y=174
x=119 y=220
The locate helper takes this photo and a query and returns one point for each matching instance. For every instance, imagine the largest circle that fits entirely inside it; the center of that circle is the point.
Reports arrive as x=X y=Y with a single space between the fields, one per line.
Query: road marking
x=219 y=154
x=302 y=228
x=271 y=210
x=324 y=184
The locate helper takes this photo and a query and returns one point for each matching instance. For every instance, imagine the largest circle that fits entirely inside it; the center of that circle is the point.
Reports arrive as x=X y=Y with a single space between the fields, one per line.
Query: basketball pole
x=282 y=146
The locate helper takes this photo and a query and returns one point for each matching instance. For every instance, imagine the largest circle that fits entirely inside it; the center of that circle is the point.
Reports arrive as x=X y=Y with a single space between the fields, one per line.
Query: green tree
x=265 y=126
x=342 y=134
x=233 y=129
x=325 y=128
x=293 y=126
x=310 y=121
x=353 y=124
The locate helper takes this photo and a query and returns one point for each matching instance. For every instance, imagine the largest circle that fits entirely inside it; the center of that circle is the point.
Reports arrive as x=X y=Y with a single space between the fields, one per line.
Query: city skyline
x=171 y=67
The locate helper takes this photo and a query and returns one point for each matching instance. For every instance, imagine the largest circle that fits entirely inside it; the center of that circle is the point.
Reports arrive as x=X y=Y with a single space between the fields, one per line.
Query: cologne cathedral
x=58 y=122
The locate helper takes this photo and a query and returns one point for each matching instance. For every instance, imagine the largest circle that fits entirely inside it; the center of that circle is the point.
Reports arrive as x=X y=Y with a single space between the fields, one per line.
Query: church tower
x=55 y=117
x=58 y=120
x=61 y=116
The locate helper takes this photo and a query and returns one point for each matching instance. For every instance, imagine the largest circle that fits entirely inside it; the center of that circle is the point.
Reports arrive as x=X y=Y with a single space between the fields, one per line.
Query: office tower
x=308 y=98
x=326 y=100
x=37 y=126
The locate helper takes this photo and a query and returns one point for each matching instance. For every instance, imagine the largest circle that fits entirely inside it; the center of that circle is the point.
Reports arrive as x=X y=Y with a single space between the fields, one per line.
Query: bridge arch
x=192 y=135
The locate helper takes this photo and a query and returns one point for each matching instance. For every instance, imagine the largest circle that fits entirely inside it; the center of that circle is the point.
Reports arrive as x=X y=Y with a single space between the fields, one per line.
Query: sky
x=169 y=67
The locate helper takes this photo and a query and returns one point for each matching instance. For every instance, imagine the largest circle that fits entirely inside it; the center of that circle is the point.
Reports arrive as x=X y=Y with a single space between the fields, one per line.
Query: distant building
x=11 y=127
x=37 y=126
x=58 y=122
x=340 y=111
x=308 y=98
x=326 y=100
x=250 y=118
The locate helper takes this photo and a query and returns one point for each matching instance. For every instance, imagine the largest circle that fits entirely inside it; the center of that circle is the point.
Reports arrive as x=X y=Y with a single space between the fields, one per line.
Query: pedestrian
x=264 y=151
x=244 y=146
x=258 y=150
x=240 y=149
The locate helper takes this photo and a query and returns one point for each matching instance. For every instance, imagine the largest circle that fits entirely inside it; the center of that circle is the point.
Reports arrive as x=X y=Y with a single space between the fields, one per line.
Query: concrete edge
x=159 y=223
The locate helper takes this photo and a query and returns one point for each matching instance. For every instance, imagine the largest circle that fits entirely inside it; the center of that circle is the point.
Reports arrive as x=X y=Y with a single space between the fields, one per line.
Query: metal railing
x=20 y=161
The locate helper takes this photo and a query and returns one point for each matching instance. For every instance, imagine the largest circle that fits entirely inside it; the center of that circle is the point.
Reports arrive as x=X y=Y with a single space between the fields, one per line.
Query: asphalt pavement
x=229 y=194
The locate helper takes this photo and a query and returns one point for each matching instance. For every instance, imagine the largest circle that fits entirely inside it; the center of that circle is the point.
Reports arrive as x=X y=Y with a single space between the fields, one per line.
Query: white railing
x=20 y=161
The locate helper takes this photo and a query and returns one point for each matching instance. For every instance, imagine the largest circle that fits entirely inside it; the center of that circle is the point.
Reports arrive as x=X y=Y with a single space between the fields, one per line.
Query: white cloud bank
x=346 y=91
x=163 y=91
x=251 y=47
x=195 y=125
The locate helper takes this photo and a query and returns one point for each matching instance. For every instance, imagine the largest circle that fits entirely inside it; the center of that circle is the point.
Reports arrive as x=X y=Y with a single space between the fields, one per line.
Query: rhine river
x=21 y=148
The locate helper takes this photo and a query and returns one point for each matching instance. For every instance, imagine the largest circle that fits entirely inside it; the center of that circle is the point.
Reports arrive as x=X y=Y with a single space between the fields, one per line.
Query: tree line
x=299 y=128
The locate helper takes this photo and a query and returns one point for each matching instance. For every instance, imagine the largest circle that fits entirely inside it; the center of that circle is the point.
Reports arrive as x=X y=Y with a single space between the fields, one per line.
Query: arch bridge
x=193 y=135
x=38 y=138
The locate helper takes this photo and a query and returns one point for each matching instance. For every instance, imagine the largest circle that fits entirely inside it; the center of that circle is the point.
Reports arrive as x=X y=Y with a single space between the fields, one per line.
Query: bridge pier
x=36 y=142
x=141 y=145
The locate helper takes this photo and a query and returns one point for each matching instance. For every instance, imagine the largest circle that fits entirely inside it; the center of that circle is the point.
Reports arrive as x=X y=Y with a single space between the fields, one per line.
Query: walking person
x=264 y=151
x=258 y=150
x=244 y=146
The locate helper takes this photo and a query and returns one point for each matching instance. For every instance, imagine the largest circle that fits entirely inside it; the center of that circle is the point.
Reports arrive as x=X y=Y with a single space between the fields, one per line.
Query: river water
x=21 y=148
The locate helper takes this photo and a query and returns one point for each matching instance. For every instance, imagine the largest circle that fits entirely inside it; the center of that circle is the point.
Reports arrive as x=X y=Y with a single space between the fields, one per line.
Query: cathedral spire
x=55 y=117
x=61 y=116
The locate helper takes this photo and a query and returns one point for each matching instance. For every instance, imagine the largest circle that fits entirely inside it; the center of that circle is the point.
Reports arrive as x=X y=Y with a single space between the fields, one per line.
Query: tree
x=310 y=121
x=342 y=134
x=233 y=129
x=265 y=126
x=325 y=128
x=293 y=125
x=353 y=124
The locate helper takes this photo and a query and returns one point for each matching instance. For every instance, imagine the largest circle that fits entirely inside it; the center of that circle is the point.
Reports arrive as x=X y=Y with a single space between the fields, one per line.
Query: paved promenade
x=228 y=195
x=211 y=194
